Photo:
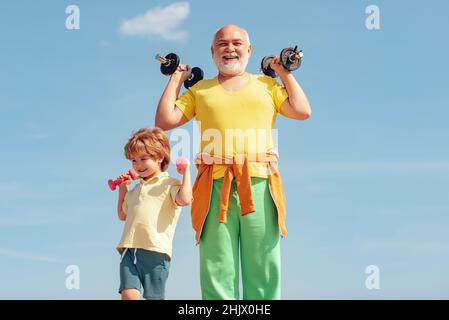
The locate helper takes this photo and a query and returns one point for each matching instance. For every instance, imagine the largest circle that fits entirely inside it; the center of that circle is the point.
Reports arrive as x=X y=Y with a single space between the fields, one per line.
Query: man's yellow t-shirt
x=239 y=122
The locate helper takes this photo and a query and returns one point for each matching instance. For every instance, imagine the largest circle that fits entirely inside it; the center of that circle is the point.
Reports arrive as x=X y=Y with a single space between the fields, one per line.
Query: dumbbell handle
x=296 y=55
x=114 y=183
x=162 y=59
x=167 y=62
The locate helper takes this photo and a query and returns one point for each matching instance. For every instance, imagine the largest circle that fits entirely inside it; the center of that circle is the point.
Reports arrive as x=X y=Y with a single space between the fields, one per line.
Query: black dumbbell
x=170 y=63
x=290 y=59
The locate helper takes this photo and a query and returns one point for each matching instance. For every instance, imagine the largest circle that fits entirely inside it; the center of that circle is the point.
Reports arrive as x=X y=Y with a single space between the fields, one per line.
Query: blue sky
x=366 y=177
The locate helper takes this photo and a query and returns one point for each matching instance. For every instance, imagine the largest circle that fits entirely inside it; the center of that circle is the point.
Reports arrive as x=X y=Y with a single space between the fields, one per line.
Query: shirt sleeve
x=279 y=94
x=173 y=192
x=186 y=102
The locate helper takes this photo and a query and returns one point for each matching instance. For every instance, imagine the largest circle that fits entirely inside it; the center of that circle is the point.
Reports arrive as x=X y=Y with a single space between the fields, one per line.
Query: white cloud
x=160 y=22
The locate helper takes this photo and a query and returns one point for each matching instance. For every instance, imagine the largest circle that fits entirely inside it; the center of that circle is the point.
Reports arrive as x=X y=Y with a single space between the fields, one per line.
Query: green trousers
x=252 y=239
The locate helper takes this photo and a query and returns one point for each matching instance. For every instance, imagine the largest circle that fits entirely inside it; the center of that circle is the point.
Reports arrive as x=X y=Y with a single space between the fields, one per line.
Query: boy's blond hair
x=150 y=141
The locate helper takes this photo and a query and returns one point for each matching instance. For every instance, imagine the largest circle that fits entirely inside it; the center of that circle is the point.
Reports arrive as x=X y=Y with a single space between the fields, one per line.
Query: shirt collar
x=153 y=179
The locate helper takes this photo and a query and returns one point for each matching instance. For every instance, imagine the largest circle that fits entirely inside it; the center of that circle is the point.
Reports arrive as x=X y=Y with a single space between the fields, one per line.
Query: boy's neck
x=151 y=176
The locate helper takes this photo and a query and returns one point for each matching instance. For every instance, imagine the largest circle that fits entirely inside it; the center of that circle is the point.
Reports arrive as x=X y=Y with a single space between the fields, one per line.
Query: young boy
x=150 y=211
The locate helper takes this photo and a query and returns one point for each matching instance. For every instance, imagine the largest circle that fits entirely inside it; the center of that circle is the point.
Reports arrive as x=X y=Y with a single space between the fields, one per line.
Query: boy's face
x=145 y=166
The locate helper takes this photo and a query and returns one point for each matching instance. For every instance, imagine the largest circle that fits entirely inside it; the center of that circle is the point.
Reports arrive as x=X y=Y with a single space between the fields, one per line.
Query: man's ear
x=212 y=51
x=250 y=49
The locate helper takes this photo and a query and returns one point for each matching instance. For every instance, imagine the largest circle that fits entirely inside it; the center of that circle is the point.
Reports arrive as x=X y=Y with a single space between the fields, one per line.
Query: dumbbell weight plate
x=288 y=61
x=265 y=66
x=170 y=68
x=197 y=75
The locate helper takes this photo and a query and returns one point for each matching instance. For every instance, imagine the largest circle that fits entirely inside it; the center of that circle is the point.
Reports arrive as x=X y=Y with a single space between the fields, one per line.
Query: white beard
x=232 y=68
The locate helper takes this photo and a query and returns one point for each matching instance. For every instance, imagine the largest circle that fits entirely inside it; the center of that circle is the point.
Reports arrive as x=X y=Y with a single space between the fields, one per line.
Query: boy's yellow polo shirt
x=238 y=122
x=151 y=214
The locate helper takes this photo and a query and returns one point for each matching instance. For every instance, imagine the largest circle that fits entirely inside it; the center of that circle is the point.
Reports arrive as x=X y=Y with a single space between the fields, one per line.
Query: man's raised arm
x=297 y=105
x=168 y=116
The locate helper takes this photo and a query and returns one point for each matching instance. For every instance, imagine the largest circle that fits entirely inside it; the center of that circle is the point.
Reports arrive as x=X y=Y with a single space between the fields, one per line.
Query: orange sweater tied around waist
x=237 y=168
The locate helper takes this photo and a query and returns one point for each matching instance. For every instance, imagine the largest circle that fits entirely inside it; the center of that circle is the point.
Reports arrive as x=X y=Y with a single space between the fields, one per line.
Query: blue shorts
x=142 y=268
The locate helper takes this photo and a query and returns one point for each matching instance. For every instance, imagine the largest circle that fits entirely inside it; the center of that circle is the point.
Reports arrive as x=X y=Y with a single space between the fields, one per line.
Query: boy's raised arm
x=184 y=195
x=123 y=189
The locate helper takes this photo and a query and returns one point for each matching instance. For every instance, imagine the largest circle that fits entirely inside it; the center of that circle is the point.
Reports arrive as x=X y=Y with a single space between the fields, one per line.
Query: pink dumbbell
x=181 y=163
x=114 y=183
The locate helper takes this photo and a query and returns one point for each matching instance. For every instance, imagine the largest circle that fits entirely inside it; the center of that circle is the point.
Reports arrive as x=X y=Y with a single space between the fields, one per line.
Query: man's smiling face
x=231 y=50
